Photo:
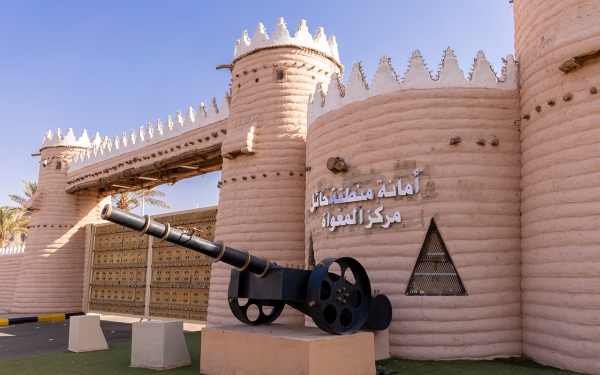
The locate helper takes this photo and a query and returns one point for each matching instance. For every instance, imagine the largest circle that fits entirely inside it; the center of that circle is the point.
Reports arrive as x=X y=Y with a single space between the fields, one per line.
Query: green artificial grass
x=499 y=366
x=116 y=360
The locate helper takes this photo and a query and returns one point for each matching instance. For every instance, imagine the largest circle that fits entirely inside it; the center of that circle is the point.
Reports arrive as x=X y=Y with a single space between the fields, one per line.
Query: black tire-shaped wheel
x=336 y=305
x=241 y=311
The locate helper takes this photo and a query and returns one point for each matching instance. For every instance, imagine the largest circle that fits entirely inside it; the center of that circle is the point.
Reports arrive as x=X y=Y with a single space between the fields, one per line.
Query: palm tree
x=125 y=201
x=28 y=190
x=11 y=222
x=129 y=200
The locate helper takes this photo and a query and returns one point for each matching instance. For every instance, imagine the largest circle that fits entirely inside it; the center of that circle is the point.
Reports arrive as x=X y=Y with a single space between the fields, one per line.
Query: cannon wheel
x=241 y=311
x=335 y=304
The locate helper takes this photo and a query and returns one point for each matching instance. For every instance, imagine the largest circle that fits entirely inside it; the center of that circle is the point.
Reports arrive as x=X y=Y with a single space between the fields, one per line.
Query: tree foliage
x=29 y=189
x=11 y=222
x=129 y=200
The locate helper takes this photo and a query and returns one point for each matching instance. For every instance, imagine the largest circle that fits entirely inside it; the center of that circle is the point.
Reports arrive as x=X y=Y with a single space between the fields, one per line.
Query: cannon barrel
x=242 y=260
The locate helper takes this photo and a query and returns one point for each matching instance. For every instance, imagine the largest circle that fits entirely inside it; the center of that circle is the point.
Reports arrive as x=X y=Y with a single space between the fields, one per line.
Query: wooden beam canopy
x=170 y=170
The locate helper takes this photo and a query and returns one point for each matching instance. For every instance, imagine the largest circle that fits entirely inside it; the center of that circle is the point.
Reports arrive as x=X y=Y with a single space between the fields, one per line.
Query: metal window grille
x=434 y=273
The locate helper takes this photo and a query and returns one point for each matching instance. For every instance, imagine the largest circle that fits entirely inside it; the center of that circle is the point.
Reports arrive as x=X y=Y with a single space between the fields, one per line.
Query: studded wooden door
x=137 y=275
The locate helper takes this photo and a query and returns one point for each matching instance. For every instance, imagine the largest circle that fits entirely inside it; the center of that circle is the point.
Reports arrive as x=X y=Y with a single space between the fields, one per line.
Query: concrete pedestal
x=281 y=349
x=85 y=334
x=159 y=345
x=382 y=344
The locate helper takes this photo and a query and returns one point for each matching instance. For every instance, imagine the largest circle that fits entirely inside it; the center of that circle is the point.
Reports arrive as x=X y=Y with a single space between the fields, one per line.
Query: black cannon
x=338 y=303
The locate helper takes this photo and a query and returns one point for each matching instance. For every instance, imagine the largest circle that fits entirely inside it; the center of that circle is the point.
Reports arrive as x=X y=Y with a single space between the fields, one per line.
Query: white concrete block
x=85 y=334
x=159 y=345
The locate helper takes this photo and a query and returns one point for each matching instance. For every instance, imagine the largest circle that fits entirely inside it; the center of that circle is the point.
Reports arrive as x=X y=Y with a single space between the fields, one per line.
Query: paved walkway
x=23 y=340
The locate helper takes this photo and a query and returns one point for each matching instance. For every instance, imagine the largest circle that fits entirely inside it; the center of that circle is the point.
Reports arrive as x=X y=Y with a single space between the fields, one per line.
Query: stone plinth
x=382 y=344
x=85 y=334
x=282 y=349
x=159 y=345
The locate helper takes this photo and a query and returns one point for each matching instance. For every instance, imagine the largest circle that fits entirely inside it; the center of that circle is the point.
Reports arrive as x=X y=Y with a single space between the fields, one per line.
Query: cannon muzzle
x=242 y=260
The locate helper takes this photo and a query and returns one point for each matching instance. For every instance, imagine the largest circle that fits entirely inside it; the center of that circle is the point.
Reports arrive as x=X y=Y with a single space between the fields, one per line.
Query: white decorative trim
x=68 y=140
x=281 y=37
x=416 y=77
x=101 y=149
x=20 y=249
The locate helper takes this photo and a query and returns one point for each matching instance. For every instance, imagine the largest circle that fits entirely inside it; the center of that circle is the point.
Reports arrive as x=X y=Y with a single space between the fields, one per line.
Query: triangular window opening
x=434 y=273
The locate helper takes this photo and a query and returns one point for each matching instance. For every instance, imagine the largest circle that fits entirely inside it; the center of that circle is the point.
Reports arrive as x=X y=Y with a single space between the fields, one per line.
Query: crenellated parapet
x=417 y=76
x=68 y=140
x=281 y=38
x=9 y=250
x=101 y=149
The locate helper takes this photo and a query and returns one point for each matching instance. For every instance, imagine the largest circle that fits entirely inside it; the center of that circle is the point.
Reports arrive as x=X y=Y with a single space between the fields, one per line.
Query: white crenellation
x=482 y=74
x=509 y=71
x=213 y=111
x=101 y=149
x=190 y=117
x=450 y=74
x=159 y=128
x=336 y=89
x=68 y=140
x=9 y=250
x=179 y=119
x=356 y=89
x=302 y=34
x=95 y=143
x=315 y=103
x=200 y=116
x=281 y=37
x=334 y=47
x=142 y=134
x=385 y=79
x=150 y=130
x=416 y=77
x=116 y=142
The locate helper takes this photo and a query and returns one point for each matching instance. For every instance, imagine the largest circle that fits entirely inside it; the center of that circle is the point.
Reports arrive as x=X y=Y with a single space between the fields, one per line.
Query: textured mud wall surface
x=9 y=271
x=51 y=275
x=471 y=190
x=561 y=182
x=262 y=194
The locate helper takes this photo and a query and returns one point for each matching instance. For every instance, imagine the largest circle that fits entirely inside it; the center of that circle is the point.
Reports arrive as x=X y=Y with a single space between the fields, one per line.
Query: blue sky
x=112 y=66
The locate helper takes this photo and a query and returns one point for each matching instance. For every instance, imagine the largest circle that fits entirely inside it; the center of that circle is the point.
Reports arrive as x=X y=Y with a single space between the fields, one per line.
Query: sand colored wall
x=10 y=265
x=261 y=201
x=561 y=182
x=471 y=190
x=51 y=274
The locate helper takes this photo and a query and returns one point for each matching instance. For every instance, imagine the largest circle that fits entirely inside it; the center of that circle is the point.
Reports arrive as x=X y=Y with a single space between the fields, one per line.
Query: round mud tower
x=560 y=181
x=266 y=139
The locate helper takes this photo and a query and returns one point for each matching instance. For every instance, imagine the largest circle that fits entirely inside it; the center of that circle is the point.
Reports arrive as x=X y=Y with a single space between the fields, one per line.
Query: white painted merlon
x=417 y=76
x=281 y=38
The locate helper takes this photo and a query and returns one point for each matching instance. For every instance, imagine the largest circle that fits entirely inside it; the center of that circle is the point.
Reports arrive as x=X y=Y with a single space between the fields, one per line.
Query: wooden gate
x=139 y=275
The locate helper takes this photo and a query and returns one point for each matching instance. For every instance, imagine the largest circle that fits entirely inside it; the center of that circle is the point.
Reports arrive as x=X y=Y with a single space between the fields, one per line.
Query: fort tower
x=261 y=202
